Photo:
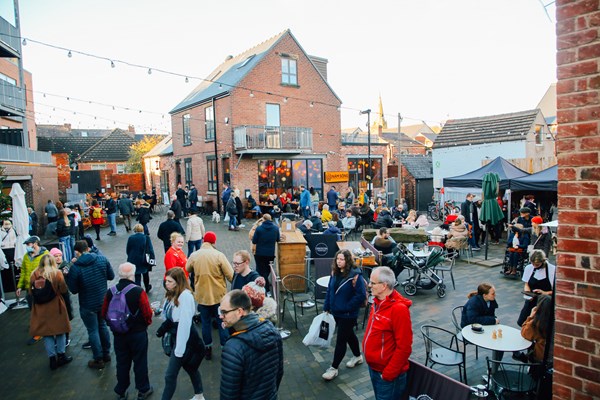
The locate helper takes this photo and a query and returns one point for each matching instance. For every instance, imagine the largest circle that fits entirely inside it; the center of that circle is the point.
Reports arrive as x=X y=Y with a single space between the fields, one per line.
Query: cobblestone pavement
x=26 y=374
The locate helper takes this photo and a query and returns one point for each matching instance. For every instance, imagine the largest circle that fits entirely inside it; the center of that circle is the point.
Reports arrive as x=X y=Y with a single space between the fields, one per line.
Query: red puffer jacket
x=387 y=343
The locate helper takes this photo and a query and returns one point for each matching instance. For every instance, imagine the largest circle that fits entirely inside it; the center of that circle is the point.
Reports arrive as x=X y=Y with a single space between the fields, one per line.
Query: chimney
x=67 y=127
x=321 y=65
x=131 y=129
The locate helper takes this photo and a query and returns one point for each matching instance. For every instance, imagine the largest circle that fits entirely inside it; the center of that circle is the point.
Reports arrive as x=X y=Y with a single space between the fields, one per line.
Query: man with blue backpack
x=127 y=312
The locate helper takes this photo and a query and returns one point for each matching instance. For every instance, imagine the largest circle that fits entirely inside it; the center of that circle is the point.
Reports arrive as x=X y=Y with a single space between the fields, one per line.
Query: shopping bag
x=322 y=324
x=226 y=219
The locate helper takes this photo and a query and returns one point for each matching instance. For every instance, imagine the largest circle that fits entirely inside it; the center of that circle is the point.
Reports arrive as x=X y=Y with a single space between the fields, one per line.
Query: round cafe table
x=511 y=339
x=324 y=281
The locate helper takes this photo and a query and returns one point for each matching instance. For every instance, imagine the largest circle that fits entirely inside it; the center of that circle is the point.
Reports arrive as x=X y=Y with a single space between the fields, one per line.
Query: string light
x=187 y=79
x=312 y=104
x=149 y=71
x=112 y=64
x=24 y=42
x=69 y=54
x=251 y=93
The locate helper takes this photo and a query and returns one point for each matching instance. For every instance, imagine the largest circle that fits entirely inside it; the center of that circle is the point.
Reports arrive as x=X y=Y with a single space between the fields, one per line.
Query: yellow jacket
x=326 y=216
x=211 y=268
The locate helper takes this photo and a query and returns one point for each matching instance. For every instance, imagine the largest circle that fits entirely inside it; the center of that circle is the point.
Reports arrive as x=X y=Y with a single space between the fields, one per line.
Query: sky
x=429 y=60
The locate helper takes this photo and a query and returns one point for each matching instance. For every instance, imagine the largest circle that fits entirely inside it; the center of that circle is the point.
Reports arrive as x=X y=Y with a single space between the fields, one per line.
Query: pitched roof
x=419 y=166
x=66 y=131
x=414 y=130
x=161 y=147
x=74 y=146
x=228 y=74
x=404 y=141
x=114 y=147
x=490 y=129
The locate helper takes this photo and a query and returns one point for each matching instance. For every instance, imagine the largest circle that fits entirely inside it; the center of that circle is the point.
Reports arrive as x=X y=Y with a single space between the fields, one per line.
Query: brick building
x=577 y=338
x=265 y=120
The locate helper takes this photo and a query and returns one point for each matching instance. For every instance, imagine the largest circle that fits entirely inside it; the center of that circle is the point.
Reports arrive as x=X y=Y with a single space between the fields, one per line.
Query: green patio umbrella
x=491 y=213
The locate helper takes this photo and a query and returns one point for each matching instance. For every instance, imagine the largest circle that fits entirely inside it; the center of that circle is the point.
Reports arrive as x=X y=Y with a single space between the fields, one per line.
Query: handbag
x=167 y=342
x=150 y=259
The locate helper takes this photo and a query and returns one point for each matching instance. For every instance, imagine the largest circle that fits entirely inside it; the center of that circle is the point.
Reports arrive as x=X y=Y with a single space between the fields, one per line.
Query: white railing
x=22 y=154
x=257 y=137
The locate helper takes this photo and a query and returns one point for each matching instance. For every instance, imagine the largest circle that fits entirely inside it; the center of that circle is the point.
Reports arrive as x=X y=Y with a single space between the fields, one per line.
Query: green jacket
x=28 y=266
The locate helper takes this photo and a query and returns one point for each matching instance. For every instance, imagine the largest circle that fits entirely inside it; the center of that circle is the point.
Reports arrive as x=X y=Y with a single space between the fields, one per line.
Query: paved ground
x=26 y=374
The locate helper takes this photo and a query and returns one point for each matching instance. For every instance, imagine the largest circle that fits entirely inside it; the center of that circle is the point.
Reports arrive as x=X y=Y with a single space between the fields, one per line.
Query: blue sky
x=429 y=59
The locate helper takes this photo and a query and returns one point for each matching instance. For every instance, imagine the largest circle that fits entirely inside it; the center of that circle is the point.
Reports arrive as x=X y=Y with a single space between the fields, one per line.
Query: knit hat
x=537 y=220
x=525 y=210
x=256 y=291
x=210 y=237
x=54 y=252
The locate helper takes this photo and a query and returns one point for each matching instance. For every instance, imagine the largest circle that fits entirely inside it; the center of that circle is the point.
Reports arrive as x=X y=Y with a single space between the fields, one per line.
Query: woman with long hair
x=138 y=245
x=188 y=350
x=64 y=230
x=314 y=201
x=79 y=220
x=481 y=306
x=50 y=319
x=345 y=295
x=175 y=257
x=537 y=327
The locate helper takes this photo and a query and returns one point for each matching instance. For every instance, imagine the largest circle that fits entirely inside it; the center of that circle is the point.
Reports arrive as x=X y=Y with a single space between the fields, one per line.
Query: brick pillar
x=577 y=339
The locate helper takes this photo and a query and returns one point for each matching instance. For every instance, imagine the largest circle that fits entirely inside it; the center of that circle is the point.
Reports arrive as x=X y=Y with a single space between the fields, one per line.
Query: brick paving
x=26 y=374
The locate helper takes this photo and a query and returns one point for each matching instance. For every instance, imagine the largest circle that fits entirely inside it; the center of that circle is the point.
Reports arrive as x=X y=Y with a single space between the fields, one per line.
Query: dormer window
x=289 y=71
x=246 y=61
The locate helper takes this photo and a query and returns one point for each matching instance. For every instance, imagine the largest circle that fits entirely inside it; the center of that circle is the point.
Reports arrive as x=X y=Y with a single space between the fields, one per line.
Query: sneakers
x=330 y=374
x=146 y=394
x=354 y=361
x=33 y=340
x=96 y=364
x=476 y=248
x=198 y=397
x=86 y=345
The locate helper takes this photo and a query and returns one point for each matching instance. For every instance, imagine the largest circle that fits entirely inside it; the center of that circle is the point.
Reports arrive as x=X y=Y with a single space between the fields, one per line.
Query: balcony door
x=272 y=127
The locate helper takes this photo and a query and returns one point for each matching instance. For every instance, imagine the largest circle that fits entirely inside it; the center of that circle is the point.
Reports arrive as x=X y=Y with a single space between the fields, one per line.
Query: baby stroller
x=422 y=274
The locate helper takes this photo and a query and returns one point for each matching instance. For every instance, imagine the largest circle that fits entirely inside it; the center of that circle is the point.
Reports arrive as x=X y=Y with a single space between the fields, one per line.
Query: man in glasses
x=252 y=359
x=387 y=343
x=241 y=266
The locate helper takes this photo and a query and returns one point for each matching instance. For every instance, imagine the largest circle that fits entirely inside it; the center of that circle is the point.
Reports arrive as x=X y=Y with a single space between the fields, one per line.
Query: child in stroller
x=423 y=274
x=516 y=251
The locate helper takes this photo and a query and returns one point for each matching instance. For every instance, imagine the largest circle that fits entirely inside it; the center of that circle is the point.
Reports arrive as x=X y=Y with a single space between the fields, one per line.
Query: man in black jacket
x=126 y=209
x=252 y=358
x=176 y=207
x=131 y=346
x=182 y=196
x=111 y=212
x=166 y=228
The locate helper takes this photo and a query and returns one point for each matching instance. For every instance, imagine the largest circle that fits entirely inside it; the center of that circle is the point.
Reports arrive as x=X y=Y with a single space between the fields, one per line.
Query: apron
x=543 y=284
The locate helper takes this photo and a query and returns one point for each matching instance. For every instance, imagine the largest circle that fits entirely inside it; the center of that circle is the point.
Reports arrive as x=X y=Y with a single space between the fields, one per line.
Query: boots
x=63 y=359
x=53 y=363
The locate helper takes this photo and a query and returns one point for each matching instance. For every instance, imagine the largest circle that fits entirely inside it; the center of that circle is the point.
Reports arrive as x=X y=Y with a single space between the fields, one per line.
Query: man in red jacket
x=387 y=343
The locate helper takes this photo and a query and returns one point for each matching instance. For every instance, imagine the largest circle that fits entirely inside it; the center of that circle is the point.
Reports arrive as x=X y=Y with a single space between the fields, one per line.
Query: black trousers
x=264 y=269
x=345 y=336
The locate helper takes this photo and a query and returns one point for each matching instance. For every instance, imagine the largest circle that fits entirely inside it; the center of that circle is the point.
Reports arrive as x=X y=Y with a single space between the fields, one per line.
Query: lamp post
x=369 y=167
x=399 y=157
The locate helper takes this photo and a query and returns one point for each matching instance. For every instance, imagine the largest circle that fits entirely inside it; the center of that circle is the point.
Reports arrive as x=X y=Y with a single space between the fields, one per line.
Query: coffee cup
x=477 y=327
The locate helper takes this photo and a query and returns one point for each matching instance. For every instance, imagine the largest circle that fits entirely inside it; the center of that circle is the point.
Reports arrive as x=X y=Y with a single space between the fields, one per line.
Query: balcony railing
x=22 y=154
x=10 y=45
x=11 y=99
x=259 y=137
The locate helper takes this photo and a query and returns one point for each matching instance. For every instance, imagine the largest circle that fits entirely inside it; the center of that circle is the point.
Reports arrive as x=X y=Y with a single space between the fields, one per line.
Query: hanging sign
x=336 y=176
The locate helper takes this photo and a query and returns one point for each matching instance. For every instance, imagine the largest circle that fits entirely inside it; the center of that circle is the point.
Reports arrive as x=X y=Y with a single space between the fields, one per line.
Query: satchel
x=150 y=259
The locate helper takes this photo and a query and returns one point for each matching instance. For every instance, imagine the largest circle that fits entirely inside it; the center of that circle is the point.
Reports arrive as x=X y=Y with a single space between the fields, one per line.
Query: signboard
x=336 y=176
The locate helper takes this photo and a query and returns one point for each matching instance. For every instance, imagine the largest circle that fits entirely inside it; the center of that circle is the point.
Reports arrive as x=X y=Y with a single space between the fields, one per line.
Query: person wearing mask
x=481 y=307
x=195 y=232
x=138 y=245
x=243 y=274
x=50 y=319
x=345 y=295
x=263 y=243
x=179 y=309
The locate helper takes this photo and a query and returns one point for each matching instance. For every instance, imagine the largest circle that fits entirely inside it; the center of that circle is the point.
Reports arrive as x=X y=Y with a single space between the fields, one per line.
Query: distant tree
x=137 y=151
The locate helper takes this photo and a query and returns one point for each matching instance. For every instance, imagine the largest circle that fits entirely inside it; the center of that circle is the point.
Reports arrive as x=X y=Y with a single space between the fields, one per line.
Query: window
x=209 y=123
x=275 y=176
x=211 y=167
x=120 y=168
x=273 y=115
x=289 y=73
x=226 y=170
x=187 y=135
x=188 y=171
x=8 y=79
x=98 y=167
x=539 y=134
x=358 y=169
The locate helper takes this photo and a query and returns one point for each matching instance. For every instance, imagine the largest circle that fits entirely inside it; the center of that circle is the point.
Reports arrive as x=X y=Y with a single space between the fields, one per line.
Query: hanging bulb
x=220 y=85
x=187 y=79
x=68 y=98
x=24 y=42
x=69 y=54
x=112 y=64
x=113 y=108
x=149 y=71
x=251 y=93
x=312 y=104
x=44 y=95
x=285 y=99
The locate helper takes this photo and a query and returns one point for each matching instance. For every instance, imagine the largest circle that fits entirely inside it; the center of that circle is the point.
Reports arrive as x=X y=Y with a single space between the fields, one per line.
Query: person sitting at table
x=306 y=227
x=385 y=244
x=457 y=236
x=535 y=329
x=383 y=234
x=481 y=307
x=349 y=221
x=332 y=229
x=316 y=221
x=399 y=213
x=326 y=214
x=336 y=218
x=384 y=218
x=366 y=214
x=284 y=202
x=412 y=218
x=252 y=206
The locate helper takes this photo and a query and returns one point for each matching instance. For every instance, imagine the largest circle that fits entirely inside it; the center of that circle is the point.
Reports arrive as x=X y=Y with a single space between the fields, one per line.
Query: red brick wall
x=577 y=339
x=64 y=174
x=135 y=182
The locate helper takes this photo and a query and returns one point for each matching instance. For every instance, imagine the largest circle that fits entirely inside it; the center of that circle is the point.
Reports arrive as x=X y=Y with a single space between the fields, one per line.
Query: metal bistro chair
x=437 y=352
x=298 y=289
x=456 y=315
x=511 y=377
x=367 y=271
x=451 y=259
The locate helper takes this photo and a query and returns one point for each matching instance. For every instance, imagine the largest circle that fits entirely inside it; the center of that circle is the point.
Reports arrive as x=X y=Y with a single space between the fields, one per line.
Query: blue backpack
x=118 y=315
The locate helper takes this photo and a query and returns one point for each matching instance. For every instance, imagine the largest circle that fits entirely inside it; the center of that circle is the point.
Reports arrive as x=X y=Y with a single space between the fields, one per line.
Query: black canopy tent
x=505 y=170
x=546 y=180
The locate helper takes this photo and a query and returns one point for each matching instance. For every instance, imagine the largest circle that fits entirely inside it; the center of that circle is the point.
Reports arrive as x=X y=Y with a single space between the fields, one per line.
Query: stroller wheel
x=441 y=291
x=410 y=289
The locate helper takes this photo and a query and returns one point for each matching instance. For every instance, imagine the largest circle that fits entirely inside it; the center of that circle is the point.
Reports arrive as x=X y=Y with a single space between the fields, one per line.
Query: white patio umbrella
x=20 y=220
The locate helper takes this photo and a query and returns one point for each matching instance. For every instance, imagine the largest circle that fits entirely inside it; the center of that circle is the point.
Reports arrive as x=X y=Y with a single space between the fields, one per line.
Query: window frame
x=211 y=167
x=188 y=171
x=209 y=124
x=187 y=129
x=288 y=61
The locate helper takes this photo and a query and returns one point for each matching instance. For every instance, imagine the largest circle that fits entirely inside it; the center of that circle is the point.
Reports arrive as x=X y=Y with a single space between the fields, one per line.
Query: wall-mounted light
x=226 y=120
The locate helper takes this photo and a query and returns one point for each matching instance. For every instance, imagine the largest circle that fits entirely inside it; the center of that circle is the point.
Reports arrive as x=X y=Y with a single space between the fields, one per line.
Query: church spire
x=380 y=120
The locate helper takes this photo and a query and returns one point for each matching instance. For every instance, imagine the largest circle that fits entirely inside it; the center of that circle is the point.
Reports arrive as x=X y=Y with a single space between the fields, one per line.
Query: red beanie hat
x=537 y=220
x=210 y=237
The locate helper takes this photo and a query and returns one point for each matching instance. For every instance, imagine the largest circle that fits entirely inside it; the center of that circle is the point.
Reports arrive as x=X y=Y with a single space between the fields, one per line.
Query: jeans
x=385 y=390
x=305 y=212
x=68 y=247
x=194 y=245
x=207 y=313
x=97 y=332
x=146 y=231
x=314 y=207
x=112 y=220
x=232 y=221
x=55 y=344
x=132 y=347
x=171 y=377
x=345 y=336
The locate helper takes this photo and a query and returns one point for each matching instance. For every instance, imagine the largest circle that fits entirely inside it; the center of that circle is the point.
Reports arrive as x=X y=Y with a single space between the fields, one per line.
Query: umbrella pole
x=487 y=238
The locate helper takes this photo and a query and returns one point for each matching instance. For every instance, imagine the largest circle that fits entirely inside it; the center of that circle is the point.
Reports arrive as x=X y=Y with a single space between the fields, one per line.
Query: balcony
x=10 y=153
x=11 y=100
x=10 y=41
x=361 y=138
x=260 y=139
